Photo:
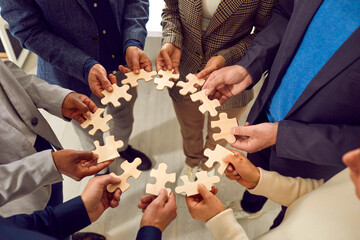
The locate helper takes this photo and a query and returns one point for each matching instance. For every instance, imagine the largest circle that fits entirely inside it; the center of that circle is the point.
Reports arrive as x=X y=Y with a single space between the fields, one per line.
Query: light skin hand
x=352 y=160
x=242 y=170
x=77 y=164
x=136 y=59
x=158 y=211
x=98 y=80
x=168 y=58
x=255 y=138
x=227 y=82
x=97 y=199
x=214 y=63
x=77 y=106
x=205 y=205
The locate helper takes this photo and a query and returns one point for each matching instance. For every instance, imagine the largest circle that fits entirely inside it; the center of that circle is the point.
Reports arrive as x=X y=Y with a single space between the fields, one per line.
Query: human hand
x=77 y=106
x=136 y=59
x=352 y=160
x=214 y=63
x=77 y=164
x=256 y=137
x=241 y=170
x=227 y=82
x=205 y=205
x=158 y=211
x=168 y=58
x=97 y=199
x=98 y=80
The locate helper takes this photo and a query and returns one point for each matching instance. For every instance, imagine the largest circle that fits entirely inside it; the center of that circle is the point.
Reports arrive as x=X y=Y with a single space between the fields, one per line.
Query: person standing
x=78 y=43
x=200 y=37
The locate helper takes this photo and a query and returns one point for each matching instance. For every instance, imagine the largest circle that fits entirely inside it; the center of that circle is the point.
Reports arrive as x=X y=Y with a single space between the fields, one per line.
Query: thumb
x=85 y=155
x=106 y=180
x=80 y=105
x=135 y=64
x=242 y=130
x=105 y=83
x=162 y=197
x=204 y=192
x=206 y=71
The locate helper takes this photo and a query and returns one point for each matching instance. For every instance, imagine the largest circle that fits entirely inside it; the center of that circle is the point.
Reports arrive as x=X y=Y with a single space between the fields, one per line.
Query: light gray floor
x=156 y=132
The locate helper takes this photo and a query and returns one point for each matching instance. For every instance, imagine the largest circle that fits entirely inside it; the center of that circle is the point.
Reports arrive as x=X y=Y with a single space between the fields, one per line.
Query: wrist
x=88 y=208
x=87 y=67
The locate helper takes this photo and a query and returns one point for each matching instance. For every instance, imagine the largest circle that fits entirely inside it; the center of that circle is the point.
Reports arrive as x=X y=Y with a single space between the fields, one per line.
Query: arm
x=237 y=51
x=260 y=56
x=28 y=25
x=171 y=23
x=283 y=190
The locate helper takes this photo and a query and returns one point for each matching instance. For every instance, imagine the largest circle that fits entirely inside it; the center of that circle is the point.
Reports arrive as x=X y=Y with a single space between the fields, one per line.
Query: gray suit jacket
x=25 y=175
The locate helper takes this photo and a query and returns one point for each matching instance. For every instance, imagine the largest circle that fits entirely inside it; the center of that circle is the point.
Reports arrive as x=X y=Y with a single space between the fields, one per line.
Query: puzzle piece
x=97 y=121
x=164 y=80
x=188 y=87
x=129 y=171
x=225 y=124
x=118 y=92
x=109 y=150
x=207 y=104
x=190 y=188
x=161 y=179
x=133 y=78
x=217 y=155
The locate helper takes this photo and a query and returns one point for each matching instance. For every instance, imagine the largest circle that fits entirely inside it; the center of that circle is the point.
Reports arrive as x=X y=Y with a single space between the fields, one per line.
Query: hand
x=97 y=199
x=98 y=80
x=168 y=58
x=136 y=59
x=77 y=106
x=206 y=205
x=256 y=137
x=214 y=63
x=352 y=160
x=242 y=170
x=227 y=82
x=158 y=211
x=77 y=164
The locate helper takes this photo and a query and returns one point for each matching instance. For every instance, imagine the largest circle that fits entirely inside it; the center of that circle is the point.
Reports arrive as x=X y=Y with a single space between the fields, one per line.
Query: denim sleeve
x=133 y=42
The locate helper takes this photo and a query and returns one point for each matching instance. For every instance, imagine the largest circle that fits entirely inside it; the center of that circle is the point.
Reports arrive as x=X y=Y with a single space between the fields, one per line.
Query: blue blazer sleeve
x=149 y=233
x=58 y=222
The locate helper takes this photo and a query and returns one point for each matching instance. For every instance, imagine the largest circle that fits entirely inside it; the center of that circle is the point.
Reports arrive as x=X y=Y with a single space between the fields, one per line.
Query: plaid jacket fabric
x=229 y=34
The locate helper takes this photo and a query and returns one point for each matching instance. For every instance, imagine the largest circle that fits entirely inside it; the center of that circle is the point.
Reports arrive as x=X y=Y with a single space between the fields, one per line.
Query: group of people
x=300 y=134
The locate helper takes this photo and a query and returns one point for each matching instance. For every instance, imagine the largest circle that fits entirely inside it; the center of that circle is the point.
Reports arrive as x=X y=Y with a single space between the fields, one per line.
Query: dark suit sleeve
x=59 y=222
x=260 y=56
x=28 y=25
x=320 y=144
x=149 y=233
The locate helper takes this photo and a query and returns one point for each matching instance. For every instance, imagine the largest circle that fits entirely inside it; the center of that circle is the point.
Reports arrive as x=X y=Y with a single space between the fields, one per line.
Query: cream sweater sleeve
x=283 y=190
x=225 y=227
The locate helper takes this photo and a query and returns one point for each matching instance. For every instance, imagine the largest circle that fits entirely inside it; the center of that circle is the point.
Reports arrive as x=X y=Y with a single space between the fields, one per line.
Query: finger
x=112 y=79
x=84 y=155
x=96 y=168
x=135 y=63
x=242 y=130
x=106 y=180
x=147 y=199
x=212 y=83
x=159 y=63
x=172 y=200
x=90 y=104
x=167 y=59
x=79 y=104
x=204 y=192
x=162 y=198
x=115 y=198
x=124 y=69
x=143 y=205
x=105 y=82
x=205 y=72
x=191 y=201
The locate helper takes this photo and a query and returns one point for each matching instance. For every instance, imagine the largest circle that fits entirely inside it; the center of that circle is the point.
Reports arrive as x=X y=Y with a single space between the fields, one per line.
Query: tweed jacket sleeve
x=234 y=53
x=171 y=23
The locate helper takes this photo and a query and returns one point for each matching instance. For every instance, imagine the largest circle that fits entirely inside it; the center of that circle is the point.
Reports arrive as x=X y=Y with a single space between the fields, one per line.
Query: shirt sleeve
x=149 y=233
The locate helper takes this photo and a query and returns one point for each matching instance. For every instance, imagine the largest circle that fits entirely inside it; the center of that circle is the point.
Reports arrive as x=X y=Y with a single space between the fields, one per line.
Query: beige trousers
x=191 y=122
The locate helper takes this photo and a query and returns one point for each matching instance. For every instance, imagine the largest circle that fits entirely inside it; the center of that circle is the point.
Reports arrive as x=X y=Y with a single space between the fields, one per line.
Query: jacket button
x=95 y=38
x=34 y=121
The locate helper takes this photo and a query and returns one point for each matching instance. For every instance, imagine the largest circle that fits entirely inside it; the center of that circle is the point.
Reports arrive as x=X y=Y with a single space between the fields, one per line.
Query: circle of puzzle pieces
x=161 y=179
x=191 y=188
x=130 y=170
x=109 y=150
x=164 y=79
x=217 y=155
x=189 y=86
x=114 y=96
x=207 y=104
x=97 y=121
x=225 y=124
x=133 y=78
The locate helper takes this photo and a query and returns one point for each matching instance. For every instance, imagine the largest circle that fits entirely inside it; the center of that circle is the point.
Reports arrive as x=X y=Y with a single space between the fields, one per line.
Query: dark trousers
x=56 y=197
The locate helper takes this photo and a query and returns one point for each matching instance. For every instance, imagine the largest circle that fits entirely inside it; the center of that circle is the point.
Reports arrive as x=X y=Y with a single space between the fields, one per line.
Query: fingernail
x=207 y=92
x=109 y=89
x=96 y=156
x=233 y=130
x=88 y=115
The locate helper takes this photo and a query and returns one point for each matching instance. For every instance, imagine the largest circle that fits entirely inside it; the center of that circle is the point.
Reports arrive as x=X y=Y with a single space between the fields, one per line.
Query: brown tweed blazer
x=229 y=34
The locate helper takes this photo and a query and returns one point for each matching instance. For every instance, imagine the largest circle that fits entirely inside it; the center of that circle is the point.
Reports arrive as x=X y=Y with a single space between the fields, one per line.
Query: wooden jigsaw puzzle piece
x=164 y=80
x=225 y=124
x=207 y=104
x=217 y=155
x=161 y=179
x=97 y=121
x=188 y=87
x=115 y=95
x=109 y=150
x=133 y=78
x=129 y=171
x=190 y=188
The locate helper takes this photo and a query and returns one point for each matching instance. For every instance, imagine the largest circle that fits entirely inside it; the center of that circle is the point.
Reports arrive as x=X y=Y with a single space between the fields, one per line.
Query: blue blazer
x=57 y=223
x=324 y=123
x=64 y=34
